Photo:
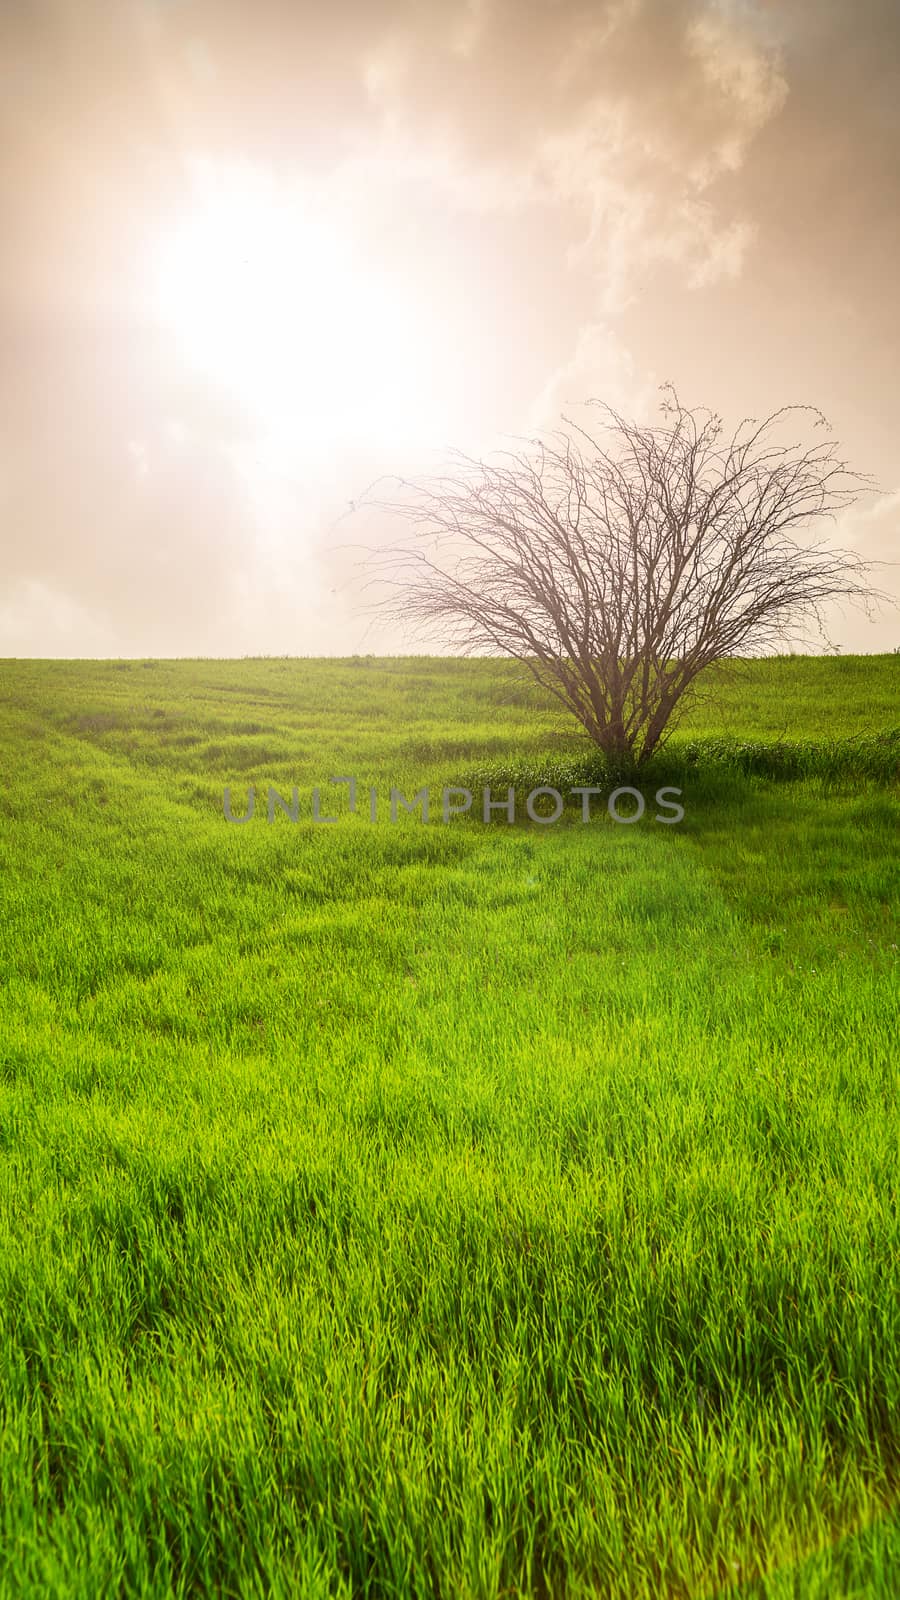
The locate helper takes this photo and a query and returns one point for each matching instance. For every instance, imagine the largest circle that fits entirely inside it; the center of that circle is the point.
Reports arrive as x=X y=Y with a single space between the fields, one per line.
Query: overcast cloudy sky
x=254 y=254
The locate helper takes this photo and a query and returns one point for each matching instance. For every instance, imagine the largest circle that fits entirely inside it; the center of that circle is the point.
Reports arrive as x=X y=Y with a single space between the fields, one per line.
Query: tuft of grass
x=709 y=767
x=872 y=758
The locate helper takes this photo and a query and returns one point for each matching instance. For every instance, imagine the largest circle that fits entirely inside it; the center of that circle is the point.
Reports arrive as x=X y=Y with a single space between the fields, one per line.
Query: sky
x=254 y=256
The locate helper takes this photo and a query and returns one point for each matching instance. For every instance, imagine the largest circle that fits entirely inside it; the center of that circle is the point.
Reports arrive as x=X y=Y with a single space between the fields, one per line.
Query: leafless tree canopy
x=617 y=565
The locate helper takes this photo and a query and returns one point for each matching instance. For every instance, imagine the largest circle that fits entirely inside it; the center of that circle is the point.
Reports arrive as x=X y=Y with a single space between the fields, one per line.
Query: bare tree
x=617 y=566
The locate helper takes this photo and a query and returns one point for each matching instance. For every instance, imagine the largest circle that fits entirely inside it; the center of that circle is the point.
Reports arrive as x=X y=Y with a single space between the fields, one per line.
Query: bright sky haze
x=254 y=256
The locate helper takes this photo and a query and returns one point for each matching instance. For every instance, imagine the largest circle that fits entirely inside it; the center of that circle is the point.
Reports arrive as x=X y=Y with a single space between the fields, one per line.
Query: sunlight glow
x=263 y=297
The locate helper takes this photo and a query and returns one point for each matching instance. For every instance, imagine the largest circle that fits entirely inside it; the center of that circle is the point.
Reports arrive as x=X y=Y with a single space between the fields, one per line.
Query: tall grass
x=430 y=1210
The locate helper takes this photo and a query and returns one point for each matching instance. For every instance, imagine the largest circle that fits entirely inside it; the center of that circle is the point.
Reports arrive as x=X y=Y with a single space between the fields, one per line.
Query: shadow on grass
x=713 y=765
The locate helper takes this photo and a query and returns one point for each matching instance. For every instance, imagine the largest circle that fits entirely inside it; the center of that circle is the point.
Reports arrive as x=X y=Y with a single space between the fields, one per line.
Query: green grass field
x=446 y=1210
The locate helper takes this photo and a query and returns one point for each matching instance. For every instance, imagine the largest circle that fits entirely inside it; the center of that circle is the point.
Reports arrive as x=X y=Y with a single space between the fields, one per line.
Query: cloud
x=601 y=366
x=624 y=113
x=591 y=194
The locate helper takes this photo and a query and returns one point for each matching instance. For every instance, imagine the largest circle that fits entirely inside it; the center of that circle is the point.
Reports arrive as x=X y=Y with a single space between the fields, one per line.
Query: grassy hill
x=430 y=1209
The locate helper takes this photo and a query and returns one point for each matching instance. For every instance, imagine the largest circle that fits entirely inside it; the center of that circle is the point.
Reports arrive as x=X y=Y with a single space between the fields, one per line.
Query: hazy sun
x=264 y=298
